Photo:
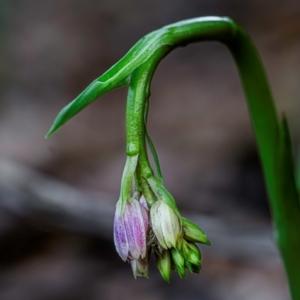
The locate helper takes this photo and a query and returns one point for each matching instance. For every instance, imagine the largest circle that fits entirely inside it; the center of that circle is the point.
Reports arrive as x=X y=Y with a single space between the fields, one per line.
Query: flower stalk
x=166 y=232
x=136 y=69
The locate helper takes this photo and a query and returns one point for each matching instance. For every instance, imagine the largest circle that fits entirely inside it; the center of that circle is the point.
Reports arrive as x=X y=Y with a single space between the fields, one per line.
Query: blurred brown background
x=57 y=196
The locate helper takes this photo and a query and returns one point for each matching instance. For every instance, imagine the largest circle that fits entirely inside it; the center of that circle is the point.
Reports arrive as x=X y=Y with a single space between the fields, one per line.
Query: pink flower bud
x=130 y=230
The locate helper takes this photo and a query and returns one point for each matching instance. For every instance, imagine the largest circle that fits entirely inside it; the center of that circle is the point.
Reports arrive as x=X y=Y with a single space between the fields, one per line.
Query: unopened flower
x=194 y=233
x=179 y=262
x=163 y=262
x=191 y=252
x=130 y=230
x=166 y=225
x=140 y=266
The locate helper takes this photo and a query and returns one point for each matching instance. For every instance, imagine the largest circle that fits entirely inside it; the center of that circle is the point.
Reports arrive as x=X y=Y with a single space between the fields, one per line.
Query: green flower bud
x=196 y=268
x=193 y=233
x=189 y=266
x=166 y=225
x=181 y=272
x=179 y=262
x=192 y=268
x=191 y=252
x=163 y=263
x=195 y=249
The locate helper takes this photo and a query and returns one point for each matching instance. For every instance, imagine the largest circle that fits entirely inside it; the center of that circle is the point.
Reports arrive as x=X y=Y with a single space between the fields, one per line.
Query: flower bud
x=163 y=263
x=193 y=233
x=179 y=262
x=140 y=267
x=191 y=252
x=189 y=266
x=166 y=225
x=130 y=230
x=196 y=268
x=192 y=268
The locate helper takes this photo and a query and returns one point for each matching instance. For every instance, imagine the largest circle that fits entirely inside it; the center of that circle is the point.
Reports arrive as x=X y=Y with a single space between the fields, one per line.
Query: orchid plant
x=147 y=219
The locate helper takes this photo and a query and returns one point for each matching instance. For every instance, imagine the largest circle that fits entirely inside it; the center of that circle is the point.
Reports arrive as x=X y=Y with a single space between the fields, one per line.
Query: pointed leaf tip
x=49 y=133
x=117 y=76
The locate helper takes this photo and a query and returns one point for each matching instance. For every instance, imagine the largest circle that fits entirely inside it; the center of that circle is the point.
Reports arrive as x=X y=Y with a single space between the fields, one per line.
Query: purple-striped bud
x=130 y=230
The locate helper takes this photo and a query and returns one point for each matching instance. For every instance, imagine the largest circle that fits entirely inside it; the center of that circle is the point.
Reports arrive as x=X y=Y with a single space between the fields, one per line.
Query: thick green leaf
x=286 y=205
x=286 y=209
x=298 y=171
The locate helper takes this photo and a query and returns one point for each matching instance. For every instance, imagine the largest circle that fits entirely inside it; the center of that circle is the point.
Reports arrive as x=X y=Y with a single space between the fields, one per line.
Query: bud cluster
x=160 y=229
x=176 y=250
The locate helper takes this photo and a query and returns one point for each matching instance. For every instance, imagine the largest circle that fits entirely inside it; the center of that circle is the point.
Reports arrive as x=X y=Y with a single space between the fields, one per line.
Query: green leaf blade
x=117 y=76
x=91 y=93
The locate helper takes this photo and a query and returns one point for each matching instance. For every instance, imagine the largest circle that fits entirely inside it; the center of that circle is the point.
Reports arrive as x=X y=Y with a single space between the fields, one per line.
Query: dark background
x=57 y=196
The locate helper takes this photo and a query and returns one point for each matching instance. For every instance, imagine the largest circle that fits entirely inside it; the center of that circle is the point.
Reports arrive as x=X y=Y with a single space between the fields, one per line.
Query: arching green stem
x=137 y=67
x=138 y=95
x=272 y=137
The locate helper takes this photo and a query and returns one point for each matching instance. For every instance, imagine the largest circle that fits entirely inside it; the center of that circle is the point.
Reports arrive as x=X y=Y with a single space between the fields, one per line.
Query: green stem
x=142 y=187
x=298 y=170
x=135 y=112
x=136 y=127
x=151 y=144
x=263 y=115
x=138 y=95
x=126 y=182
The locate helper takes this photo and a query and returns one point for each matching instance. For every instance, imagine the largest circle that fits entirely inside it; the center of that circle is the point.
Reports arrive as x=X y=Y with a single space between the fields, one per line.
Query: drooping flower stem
x=142 y=187
x=138 y=93
x=136 y=69
x=272 y=136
